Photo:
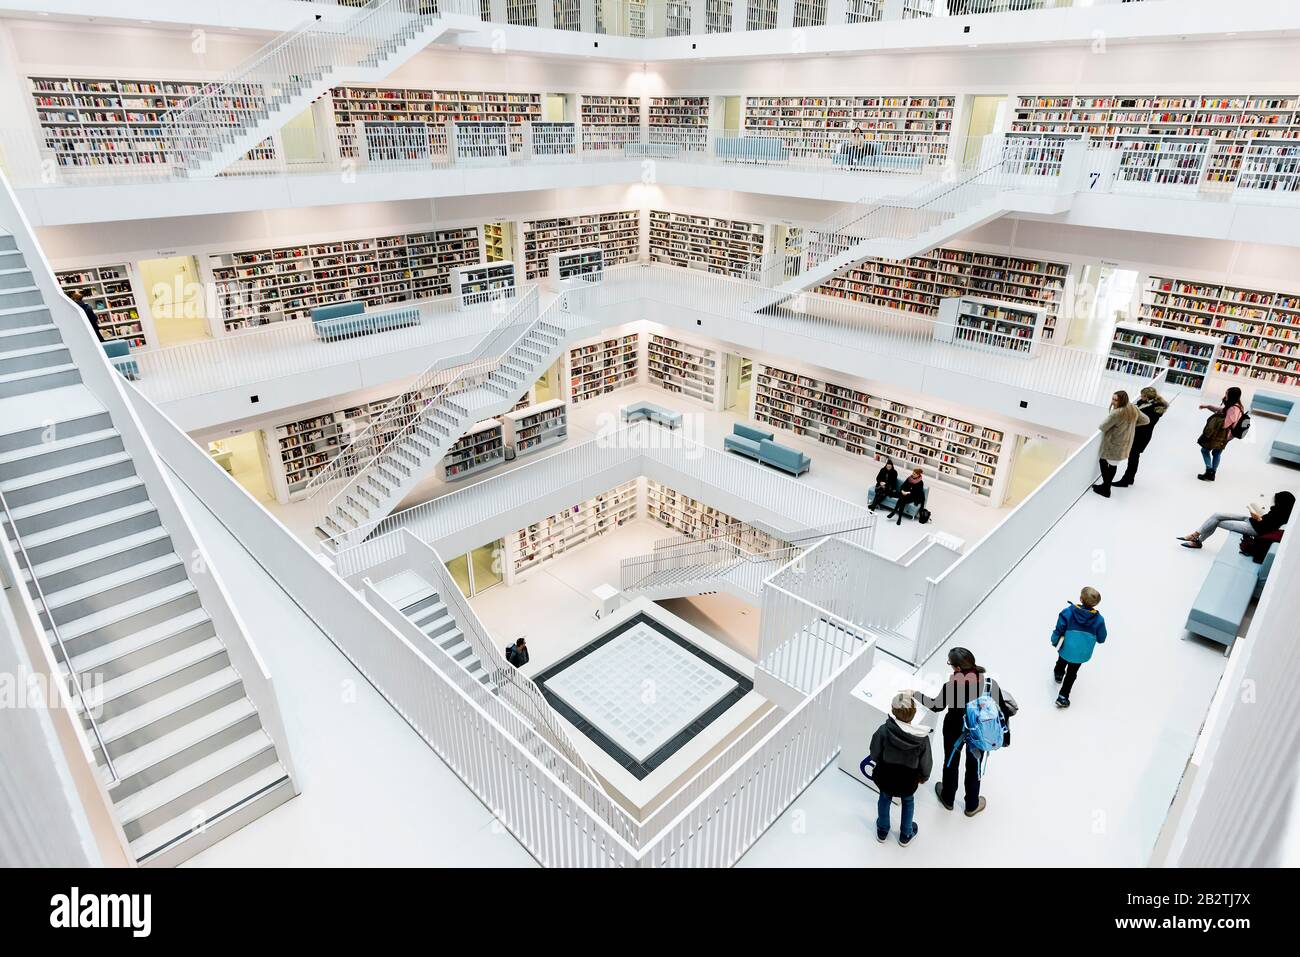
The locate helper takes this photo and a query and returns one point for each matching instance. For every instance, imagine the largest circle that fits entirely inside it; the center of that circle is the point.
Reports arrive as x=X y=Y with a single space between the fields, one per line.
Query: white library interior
x=468 y=451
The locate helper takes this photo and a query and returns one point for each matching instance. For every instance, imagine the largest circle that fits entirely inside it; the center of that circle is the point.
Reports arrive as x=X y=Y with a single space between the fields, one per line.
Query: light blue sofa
x=910 y=509
x=1233 y=581
x=116 y=351
x=757 y=444
x=751 y=149
x=341 y=320
x=651 y=412
x=1287 y=444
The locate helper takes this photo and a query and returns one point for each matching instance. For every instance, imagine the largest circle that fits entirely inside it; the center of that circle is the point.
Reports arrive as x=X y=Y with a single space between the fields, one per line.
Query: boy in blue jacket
x=1079 y=629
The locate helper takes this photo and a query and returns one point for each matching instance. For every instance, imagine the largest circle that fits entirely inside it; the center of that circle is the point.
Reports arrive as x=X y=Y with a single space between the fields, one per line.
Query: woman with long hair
x=1153 y=405
x=1218 y=431
x=1258 y=522
x=1117 y=433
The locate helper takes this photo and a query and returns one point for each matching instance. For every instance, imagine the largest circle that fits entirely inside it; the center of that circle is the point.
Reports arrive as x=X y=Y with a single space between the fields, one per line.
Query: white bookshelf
x=809 y=13
x=682 y=367
x=917 y=285
x=99 y=121
x=617 y=234
x=728 y=247
x=258 y=286
x=682 y=120
x=566 y=268
x=435 y=108
x=718 y=16
x=107 y=290
x=608 y=122
x=494 y=243
x=1136 y=349
x=761 y=14
x=1172 y=163
x=989 y=324
x=1232 y=120
x=484 y=282
x=862 y=11
x=535 y=427
x=481 y=448
x=1258 y=329
x=577 y=525
x=603 y=366
x=816 y=125
x=681 y=513
x=1270 y=170
x=954 y=452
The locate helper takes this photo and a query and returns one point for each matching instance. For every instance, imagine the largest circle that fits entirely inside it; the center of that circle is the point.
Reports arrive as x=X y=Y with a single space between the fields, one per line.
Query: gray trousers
x=1231 y=523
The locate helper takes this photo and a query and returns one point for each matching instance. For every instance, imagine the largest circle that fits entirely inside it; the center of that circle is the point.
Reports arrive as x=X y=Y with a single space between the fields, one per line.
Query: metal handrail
x=58 y=638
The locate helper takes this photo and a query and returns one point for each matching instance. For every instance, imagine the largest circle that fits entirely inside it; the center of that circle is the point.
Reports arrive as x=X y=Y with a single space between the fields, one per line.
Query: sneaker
x=881 y=835
x=978 y=807
x=1062 y=701
x=938 y=792
x=907 y=841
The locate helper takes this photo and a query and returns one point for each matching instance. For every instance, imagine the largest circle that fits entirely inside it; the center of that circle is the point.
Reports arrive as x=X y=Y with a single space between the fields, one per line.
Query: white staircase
x=386 y=461
x=179 y=745
x=215 y=128
x=420 y=602
x=1023 y=175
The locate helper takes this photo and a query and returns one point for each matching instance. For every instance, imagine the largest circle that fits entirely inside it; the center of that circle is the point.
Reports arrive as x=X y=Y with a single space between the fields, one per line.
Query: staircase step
x=37 y=486
x=37 y=458
x=14 y=297
x=116 y=586
x=191 y=742
x=33 y=358
x=194 y=785
x=120 y=620
x=95 y=561
x=150 y=655
x=28 y=381
x=95 y=529
x=26 y=337
x=167 y=711
x=15 y=317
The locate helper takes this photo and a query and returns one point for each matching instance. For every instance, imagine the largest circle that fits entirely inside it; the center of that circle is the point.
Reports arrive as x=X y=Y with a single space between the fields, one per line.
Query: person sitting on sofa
x=886 y=485
x=911 y=492
x=1258 y=523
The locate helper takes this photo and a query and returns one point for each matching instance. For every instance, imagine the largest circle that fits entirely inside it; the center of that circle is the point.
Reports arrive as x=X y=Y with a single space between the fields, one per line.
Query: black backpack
x=1242 y=427
x=923 y=515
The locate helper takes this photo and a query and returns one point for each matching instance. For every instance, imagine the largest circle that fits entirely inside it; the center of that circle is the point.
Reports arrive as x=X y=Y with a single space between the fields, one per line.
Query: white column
x=836 y=11
x=785 y=14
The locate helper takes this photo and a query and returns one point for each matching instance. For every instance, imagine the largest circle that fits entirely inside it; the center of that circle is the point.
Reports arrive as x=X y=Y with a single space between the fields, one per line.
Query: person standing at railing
x=1117 y=438
x=886 y=485
x=900 y=751
x=1151 y=404
x=517 y=654
x=1224 y=425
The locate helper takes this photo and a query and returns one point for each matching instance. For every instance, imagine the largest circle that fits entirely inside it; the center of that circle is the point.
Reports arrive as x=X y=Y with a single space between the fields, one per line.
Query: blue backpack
x=983 y=728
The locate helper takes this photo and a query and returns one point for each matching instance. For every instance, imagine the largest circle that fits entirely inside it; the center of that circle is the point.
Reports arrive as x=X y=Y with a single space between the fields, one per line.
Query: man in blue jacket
x=1079 y=629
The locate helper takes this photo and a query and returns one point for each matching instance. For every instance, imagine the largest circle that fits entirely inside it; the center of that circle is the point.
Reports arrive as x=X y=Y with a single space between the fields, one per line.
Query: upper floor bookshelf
x=107 y=290
x=729 y=247
x=817 y=124
x=683 y=120
x=435 y=107
x=609 y=121
x=617 y=234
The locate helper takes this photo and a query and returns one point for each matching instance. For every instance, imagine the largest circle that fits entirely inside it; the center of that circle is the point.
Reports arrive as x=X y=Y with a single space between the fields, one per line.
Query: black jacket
x=902 y=757
x=888 y=478
x=90 y=315
x=517 y=656
x=960 y=689
x=1270 y=521
x=1142 y=433
x=911 y=493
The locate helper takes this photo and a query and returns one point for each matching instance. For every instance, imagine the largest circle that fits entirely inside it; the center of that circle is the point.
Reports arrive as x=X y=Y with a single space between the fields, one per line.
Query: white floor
x=373 y=793
x=1089 y=786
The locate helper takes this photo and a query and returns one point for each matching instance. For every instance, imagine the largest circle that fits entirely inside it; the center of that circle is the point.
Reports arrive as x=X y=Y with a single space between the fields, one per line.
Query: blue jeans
x=882 y=813
x=1211 y=459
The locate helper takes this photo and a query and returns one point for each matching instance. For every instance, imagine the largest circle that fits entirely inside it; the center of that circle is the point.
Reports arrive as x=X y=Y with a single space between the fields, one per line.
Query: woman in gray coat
x=1117 y=438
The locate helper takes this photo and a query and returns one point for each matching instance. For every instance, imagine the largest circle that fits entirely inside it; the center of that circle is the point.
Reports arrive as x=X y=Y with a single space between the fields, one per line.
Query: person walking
x=900 y=751
x=1153 y=405
x=1219 y=431
x=517 y=654
x=1256 y=524
x=1079 y=629
x=911 y=492
x=966 y=683
x=1116 y=438
x=886 y=485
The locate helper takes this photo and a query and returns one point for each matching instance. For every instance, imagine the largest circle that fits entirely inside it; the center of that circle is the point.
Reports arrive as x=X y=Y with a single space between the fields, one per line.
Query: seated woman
x=911 y=492
x=1258 y=522
x=886 y=485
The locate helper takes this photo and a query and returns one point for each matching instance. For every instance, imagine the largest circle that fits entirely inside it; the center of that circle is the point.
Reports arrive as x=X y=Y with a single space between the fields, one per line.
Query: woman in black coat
x=1151 y=404
x=911 y=492
x=886 y=484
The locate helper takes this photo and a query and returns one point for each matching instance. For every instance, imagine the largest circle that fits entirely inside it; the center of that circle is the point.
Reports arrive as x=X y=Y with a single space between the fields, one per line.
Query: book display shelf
x=682 y=367
x=603 y=366
x=535 y=427
x=258 y=286
x=610 y=122
x=727 y=247
x=617 y=235
x=678 y=511
x=816 y=125
x=999 y=327
x=1258 y=329
x=1140 y=350
x=581 y=523
x=959 y=454
x=485 y=282
x=481 y=448
x=681 y=120
x=917 y=285
x=435 y=108
x=107 y=290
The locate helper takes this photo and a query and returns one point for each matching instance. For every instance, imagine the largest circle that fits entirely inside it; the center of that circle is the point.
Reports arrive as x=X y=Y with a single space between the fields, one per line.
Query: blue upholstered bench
x=653 y=150
x=651 y=412
x=1270 y=403
x=751 y=149
x=1221 y=604
x=910 y=509
x=757 y=444
x=340 y=320
x=1286 y=445
x=116 y=352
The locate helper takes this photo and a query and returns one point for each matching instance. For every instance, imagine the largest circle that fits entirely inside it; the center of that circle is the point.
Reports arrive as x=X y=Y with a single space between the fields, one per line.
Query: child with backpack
x=900 y=751
x=1079 y=629
x=976 y=712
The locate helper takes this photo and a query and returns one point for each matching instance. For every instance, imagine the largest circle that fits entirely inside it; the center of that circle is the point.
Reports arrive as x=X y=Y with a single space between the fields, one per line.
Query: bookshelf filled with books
x=617 y=234
x=535 y=427
x=436 y=108
x=107 y=290
x=816 y=125
x=609 y=122
x=577 y=525
x=682 y=367
x=681 y=513
x=728 y=247
x=602 y=366
x=481 y=448
x=1141 y=350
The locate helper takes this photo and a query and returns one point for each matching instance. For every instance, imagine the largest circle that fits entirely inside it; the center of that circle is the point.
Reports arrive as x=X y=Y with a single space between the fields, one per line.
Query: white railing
x=1269 y=173
x=800 y=643
x=1161 y=163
